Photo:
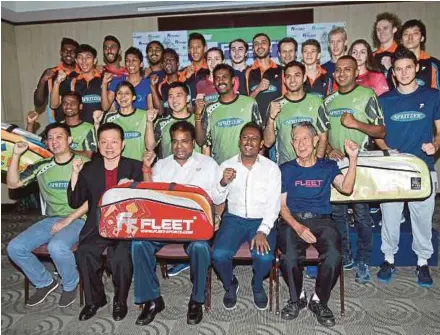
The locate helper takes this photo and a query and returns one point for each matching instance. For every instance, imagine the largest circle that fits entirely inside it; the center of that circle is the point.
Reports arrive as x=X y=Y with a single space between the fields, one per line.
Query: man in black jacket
x=89 y=181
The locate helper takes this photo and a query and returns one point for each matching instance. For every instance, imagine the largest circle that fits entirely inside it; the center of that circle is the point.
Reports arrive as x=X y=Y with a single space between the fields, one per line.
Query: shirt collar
x=424 y=55
x=257 y=65
x=96 y=74
x=392 y=48
x=189 y=160
x=240 y=161
x=61 y=67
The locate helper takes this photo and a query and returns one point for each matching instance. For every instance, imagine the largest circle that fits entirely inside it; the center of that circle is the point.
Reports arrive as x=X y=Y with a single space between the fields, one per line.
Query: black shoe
x=90 y=310
x=290 y=311
x=151 y=308
x=119 y=310
x=195 y=313
x=323 y=314
x=302 y=302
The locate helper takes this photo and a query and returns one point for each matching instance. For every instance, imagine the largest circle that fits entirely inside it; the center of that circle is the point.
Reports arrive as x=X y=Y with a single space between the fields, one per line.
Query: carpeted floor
x=401 y=307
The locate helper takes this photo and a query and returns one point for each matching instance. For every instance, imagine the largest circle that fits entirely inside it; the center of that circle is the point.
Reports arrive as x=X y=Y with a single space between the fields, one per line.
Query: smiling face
x=182 y=145
x=250 y=143
x=58 y=141
x=154 y=54
x=294 y=79
x=213 y=58
x=196 y=50
x=133 y=64
x=238 y=52
x=310 y=54
x=111 y=52
x=360 y=53
x=303 y=142
x=287 y=53
x=169 y=64
x=261 y=47
x=345 y=73
x=124 y=97
x=68 y=53
x=71 y=106
x=177 y=99
x=86 y=62
x=110 y=144
x=223 y=81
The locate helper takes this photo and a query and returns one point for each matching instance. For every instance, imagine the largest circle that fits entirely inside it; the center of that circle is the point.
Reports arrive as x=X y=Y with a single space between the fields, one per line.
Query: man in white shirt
x=184 y=166
x=252 y=185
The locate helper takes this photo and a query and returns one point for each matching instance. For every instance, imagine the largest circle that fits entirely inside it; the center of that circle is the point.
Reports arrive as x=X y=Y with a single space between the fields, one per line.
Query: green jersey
x=83 y=137
x=362 y=103
x=309 y=109
x=52 y=179
x=222 y=123
x=134 y=126
x=162 y=133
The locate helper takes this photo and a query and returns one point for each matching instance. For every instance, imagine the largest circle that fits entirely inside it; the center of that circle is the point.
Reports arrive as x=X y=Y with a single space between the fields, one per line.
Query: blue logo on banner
x=229 y=122
x=408 y=116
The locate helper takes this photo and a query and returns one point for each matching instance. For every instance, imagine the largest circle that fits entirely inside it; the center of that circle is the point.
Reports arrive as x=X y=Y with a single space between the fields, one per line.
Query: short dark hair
x=74 y=94
x=415 y=23
x=126 y=84
x=261 y=34
x=246 y=46
x=197 y=36
x=171 y=52
x=287 y=40
x=183 y=126
x=348 y=57
x=110 y=126
x=253 y=125
x=179 y=84
x=312 y=42
x=403 y=53
x=154 y=42
x=83 y=48
x=386 y=16
x=69 y=41
x=295 y=63
x=222 y=55
x=224 y=66
x=55 y=125
x=113 y=39
x=134 y=51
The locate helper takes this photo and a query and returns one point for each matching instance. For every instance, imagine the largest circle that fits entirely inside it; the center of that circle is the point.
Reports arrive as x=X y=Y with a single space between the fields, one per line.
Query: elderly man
x=305 y=212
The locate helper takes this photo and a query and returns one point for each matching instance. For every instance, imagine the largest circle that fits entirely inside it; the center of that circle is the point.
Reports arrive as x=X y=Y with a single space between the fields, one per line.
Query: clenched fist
x=20 y=147
x=229 y=175
x=275 y=109
x=148 y=158
x=32 y=116
x=97 y=116
x=349 y=121
x=61 y=77
x=151 y=115
x=77 y=165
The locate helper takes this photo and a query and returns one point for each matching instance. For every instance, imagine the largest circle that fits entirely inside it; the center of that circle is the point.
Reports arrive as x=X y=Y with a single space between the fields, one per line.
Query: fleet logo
x=296 y=120
x=229 y=122
x=58 y=185
x=91 y=99
x=309 y=183
x=408 y=116
x=128 y=135
x=340 y=111
x=151 y=225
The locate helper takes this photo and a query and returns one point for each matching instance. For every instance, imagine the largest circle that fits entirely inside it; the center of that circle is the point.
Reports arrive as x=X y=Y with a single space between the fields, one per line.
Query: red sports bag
x=156 y=211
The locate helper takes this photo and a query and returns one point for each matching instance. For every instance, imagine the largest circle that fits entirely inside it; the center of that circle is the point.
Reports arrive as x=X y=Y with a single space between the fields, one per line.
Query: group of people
x=263 y=141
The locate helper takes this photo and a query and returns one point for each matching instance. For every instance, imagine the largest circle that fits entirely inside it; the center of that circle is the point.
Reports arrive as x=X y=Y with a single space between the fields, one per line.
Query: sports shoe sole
x=70 y=303
x=235 y=306
x=387 y=281
x=176 y=273
x=261 y=309
x=424 y=285
x=44 y=298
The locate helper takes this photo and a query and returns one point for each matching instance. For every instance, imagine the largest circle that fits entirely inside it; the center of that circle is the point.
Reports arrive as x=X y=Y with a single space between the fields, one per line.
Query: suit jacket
x=91 y=186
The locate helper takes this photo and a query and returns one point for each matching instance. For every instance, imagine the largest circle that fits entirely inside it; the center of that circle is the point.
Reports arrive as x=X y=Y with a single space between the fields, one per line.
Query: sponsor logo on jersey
x=340 y=111
x=58 y=185
x=128 y=135
x=91 y=99
x=408 y=116
x=211 y=98
x=295 y=120
x=229 y=122
x=420 y=82
x=270 y=89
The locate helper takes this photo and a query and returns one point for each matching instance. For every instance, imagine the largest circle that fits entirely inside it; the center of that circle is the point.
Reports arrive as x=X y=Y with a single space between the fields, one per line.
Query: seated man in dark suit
x=88 y=182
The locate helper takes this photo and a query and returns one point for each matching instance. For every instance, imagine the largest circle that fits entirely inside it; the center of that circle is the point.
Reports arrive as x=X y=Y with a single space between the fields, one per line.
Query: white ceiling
x=37 y=11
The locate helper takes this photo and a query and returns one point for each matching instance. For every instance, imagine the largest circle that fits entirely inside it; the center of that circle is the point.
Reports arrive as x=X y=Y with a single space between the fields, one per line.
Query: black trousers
x=293 y=252
x=88 y=258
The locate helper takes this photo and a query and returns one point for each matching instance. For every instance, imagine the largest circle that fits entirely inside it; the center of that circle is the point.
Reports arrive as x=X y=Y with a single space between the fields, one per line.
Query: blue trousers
x=233 y=232
x=60 y=245
x=146 y=283
x=362 y=220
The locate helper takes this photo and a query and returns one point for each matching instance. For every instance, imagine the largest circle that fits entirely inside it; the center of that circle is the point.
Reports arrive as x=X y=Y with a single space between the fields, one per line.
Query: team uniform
x=405 y=113
x=161 y=74
x=330 y=67
x=374 y=80
x=162 y=133
x=321 y=86
x=164 y=87
x=53 y=179
x=308 y=199
x=222 y=123
x=206 y=87
x=83 y=137
x=240 y=76
x=254 y=75
x=308 y=109
x=142 y=90
x=362 y=103
x=57 y=114
x=191 y=82
x=134 y=126
x=90 y=93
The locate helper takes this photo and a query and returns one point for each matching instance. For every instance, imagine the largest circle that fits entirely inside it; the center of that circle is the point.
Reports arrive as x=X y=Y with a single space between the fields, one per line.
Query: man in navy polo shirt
x=305 y=213
x=412 y=116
